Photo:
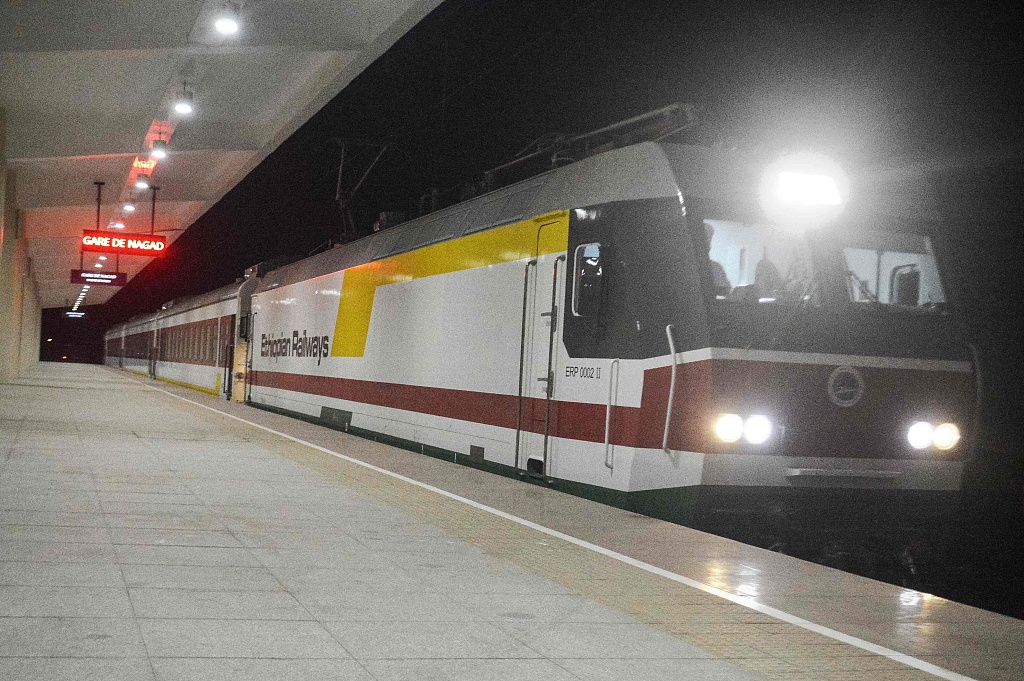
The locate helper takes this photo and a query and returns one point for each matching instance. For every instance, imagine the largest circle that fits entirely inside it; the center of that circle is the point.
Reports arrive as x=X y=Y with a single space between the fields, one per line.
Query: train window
x=756 y=263
x=588 y=280
x=893 y=269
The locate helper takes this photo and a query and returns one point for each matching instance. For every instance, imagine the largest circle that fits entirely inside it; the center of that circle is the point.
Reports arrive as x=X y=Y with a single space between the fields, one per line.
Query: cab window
x=588 y=280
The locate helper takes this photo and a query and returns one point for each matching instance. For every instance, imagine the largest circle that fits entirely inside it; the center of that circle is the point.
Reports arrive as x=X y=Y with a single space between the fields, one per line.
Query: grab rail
x=671 y=389
x=550 y=380
x=609 y=458
x=522 y=357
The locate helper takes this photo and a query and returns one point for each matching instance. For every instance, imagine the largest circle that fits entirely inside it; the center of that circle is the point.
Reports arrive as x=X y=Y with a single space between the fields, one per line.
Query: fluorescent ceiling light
x=159 y=149
x=226 y=22
x=183 y=104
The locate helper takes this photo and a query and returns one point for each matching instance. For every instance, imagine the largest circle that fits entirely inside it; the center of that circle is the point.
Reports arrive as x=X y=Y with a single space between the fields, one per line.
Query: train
x=647 y=326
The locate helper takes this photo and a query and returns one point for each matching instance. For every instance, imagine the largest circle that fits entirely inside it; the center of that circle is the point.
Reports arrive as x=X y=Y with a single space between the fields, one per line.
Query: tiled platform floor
x=142 y=537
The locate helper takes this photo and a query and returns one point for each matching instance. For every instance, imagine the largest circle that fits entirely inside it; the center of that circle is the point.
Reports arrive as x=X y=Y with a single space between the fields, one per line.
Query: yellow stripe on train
x=509 y=243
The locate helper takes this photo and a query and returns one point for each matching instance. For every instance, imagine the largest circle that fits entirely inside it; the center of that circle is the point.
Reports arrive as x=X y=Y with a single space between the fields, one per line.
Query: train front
x=836 y=370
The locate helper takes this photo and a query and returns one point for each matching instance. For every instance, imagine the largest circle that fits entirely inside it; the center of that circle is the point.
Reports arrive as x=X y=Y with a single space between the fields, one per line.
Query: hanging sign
x=150 y=245
x=97 y=277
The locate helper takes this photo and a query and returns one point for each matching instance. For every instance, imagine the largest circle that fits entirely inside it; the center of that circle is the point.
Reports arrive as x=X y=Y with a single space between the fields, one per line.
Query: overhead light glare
x=100 y=265
x=129 y=207
x=808 y=190
x=103 y=257
x=118 y=225
x=142 y=182
x=803 y=191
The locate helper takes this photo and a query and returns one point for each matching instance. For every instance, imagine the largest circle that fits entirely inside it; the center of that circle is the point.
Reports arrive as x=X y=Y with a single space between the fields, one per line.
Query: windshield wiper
x=862 y=286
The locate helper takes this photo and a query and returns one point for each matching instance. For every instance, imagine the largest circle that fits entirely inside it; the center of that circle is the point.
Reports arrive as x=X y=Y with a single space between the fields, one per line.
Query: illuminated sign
x=149 y=245
x=148 y=164
x=101 y=278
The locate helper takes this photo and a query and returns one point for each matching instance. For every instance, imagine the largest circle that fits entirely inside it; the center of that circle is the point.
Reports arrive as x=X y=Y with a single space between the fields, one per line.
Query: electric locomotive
x=640 y=327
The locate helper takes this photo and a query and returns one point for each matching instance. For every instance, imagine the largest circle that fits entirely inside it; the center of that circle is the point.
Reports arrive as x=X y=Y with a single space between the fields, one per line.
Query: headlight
x=946 y=436
x=923 y=435
x=920 y=435
x=729 y=427
x=757 y=430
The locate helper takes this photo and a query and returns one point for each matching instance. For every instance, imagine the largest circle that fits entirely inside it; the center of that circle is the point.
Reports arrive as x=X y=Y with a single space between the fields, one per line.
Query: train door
x=543 y=288
x=154 y=352
x=226 y=335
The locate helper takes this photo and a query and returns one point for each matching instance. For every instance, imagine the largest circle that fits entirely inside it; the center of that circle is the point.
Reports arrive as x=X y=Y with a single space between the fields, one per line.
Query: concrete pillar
x=31 y=318
x=19 y=301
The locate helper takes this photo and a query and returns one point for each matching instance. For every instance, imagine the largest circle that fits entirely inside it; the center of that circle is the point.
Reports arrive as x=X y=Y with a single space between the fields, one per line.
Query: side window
x=588 y=281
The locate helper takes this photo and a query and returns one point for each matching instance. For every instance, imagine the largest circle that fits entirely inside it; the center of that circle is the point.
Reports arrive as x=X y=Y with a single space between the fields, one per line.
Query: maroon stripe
x=794 y=395
x=574 y=420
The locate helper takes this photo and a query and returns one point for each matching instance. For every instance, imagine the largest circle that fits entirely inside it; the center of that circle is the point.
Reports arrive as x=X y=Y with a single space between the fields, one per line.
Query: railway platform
x=152 y=532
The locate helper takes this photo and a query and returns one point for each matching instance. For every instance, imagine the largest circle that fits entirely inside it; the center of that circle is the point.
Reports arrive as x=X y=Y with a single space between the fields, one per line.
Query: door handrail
x=550 y=382
x=609 y=457
x=522 y=357
x=671 y=389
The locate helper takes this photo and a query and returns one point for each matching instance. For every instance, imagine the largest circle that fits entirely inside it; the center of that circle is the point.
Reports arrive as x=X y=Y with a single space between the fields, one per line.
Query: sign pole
x=99 y=200
x=99 y=197
x=152 y=212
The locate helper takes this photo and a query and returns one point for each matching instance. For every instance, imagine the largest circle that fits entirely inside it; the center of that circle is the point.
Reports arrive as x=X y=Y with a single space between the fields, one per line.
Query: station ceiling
x=88 y=86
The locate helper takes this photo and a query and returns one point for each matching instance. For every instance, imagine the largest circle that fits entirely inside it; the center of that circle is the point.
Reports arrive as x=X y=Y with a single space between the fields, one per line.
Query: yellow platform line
x=180 y=384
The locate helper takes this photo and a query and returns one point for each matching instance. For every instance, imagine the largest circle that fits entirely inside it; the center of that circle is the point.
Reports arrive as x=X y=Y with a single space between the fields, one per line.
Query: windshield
x=757 y=263
x=892 y=269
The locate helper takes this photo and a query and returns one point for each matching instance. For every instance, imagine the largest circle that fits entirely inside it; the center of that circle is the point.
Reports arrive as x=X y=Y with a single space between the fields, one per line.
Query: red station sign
x=149 y=245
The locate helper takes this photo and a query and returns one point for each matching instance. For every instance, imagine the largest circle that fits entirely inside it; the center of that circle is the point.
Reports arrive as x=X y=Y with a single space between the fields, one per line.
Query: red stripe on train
x=793 y=395
x=574 y=420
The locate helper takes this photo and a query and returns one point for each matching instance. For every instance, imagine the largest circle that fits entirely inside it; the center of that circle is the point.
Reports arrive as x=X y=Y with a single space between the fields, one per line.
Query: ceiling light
x=118 y=225
x=183 y=104
x=86 y=287
x=159 y=149
x=129 y=207
x=142 y=182
x=226 y=22
x=103 y=257
x=99 y=264
x=226 y=25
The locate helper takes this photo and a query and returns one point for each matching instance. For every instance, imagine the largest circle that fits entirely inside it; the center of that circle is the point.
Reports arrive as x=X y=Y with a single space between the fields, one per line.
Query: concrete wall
x=19 y=299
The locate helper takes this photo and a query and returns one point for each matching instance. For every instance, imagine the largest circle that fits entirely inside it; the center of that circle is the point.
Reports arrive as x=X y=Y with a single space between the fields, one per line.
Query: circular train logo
x=845 y=386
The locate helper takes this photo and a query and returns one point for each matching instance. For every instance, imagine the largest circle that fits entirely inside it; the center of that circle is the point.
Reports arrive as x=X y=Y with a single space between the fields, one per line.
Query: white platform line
x=747 y=602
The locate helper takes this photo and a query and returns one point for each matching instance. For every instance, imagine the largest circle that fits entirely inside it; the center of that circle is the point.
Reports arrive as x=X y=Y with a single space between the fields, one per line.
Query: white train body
x=532 y=330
